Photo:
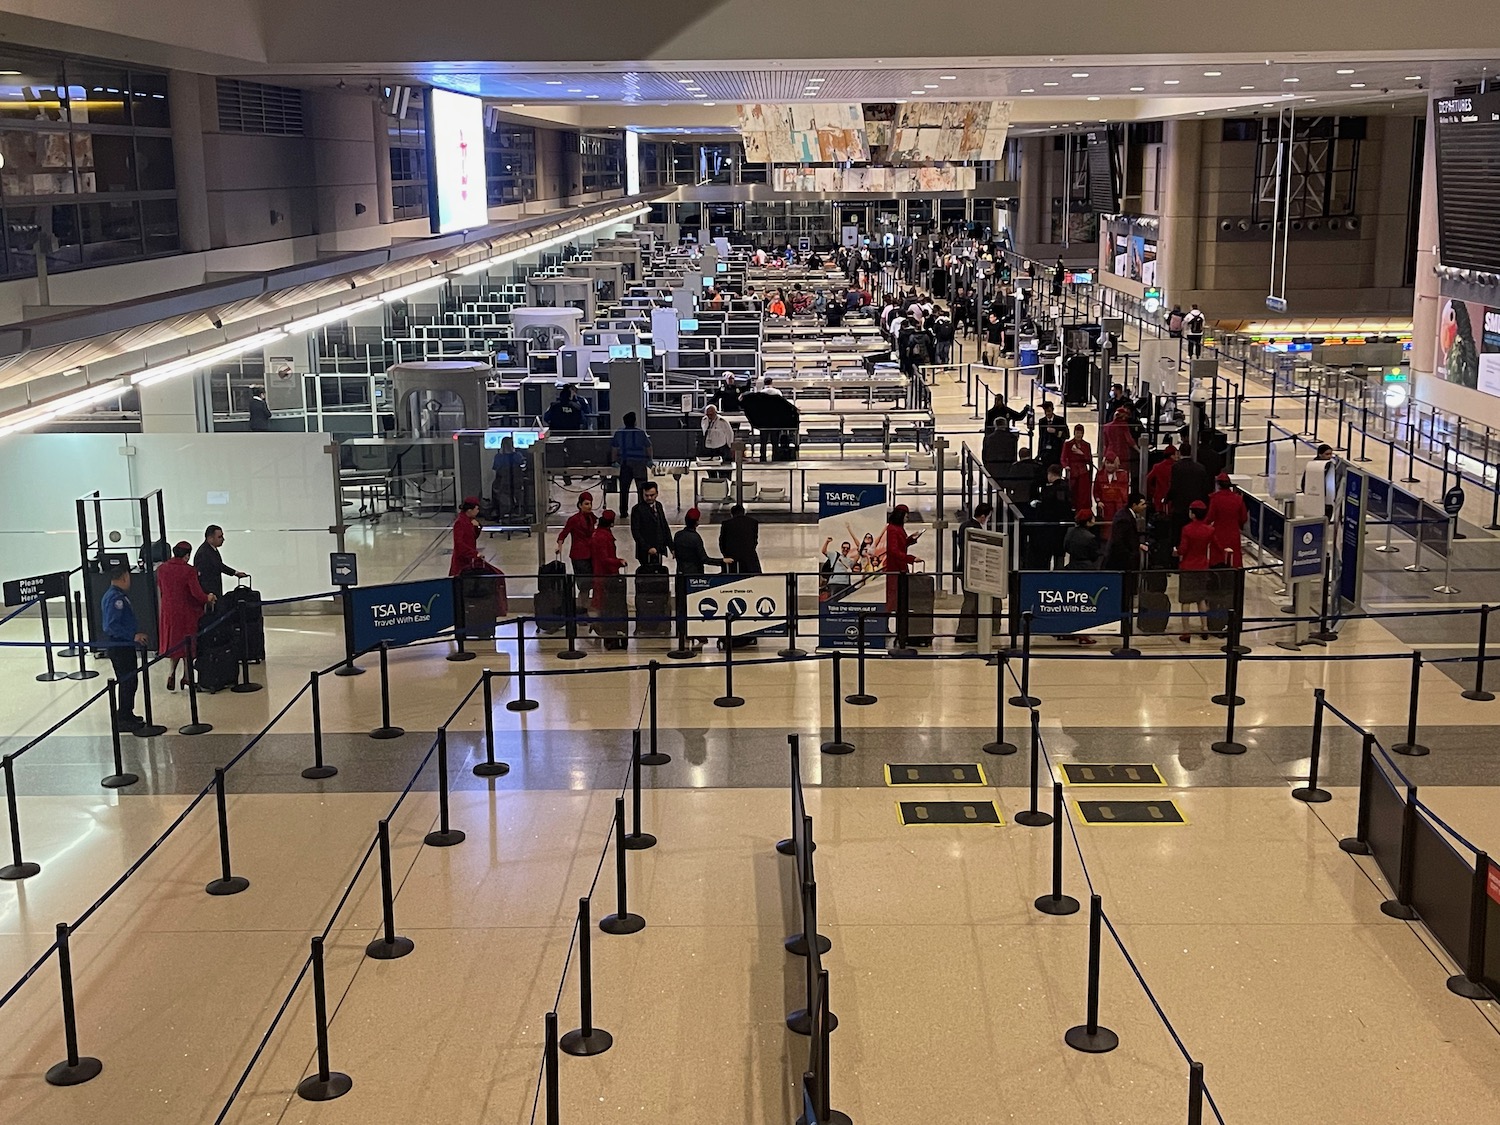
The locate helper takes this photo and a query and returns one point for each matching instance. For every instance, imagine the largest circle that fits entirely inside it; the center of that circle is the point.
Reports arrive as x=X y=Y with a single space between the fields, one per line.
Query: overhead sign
x=343 y=568
x=755 y=603
x=397 y=614
x=1069 y=601
x=1307 y=545
x=24 y=590
x=986 y=563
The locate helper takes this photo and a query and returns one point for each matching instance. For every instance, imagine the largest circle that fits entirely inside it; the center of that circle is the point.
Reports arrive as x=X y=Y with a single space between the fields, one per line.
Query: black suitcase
x=481 y=600
x=921 y=597
x=216 y=666
x=550 y=606
x=242 y=605
x=1220 y=598
x=613 y=613
x=1153 y=607
x=653 y=601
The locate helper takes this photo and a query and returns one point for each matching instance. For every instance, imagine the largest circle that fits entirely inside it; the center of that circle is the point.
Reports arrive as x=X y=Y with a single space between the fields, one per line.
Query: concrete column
x=1032 y=212
x=185 y=93
x=1177 y=252
x=382 y=131
x=345 y=175
x=1390 y=207
x=1427 y=301
x=171 y=407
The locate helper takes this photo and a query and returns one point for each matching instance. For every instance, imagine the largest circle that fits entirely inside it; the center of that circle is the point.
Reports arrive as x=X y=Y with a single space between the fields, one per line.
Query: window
x=510 y=164
x=1319 y=167
x=603 y=161
x=408 y=137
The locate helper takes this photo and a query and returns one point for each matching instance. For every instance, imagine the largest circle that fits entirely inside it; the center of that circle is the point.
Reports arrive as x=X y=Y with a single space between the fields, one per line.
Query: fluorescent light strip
x=566 y=236
x=332 y=316
x=404 y=291
x=159 y=374
x=68 y=404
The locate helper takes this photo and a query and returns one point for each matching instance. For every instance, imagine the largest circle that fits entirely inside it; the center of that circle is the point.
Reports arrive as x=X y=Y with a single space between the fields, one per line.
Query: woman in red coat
x=579 y=530
x=1227 y=514
x=1194 y=551
x=466 y=554
x=1111 y=491
x=180 y=601
x=607 y=563
x=1078 y=463
x=897 y=558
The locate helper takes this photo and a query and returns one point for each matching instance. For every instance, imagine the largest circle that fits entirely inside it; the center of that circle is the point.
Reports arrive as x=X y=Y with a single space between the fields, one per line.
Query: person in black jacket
x=1126 y=544
x=739 y=540
x=1051 y=433
x=210 y=564
x=687 y=545
x=649 y=528
x=1051 y=511
x=1021 y=479
x=260 y=411
x=1190 y=481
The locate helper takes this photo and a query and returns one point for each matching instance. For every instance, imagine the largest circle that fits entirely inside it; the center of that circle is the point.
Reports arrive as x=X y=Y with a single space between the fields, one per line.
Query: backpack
x=1174 y=322
x=1193 y=322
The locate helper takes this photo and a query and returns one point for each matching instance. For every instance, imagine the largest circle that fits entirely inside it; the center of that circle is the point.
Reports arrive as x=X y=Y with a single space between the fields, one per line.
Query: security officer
x=123 y=636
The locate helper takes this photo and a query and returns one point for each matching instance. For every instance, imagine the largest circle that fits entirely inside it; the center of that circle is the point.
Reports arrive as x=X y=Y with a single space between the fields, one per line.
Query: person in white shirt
x=1192 y=330
x=718 y=439
x=767 y=389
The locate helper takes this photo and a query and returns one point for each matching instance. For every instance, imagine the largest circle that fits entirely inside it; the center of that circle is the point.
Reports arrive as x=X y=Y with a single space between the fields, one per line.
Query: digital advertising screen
x=455 y=161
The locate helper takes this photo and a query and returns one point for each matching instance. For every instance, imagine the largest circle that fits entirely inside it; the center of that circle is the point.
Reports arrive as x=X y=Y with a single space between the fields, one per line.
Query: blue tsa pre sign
x=398 y=614
x=1068 y=601
x=754 y=602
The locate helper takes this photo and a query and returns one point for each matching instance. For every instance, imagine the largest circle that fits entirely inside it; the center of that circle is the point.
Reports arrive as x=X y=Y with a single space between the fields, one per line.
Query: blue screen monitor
x=689 y=325
x=621 y=351
x=721 y=267
x=708 y=282
x=524 y=439
x=644 y=351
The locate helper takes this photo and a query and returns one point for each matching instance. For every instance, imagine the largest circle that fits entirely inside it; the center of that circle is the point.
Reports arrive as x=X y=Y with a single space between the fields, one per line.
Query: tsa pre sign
x=1062 y=601
x=398 y=614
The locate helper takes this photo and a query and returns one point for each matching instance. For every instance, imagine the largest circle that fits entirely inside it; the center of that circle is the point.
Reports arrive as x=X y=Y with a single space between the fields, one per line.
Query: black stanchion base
x=836 y=748
x=348 y=670
x=656 y=758
x=789 y=846
x=387 y=732
x=1353 y=846
x=1024 y=701
x=999 y=748
x=1059 y=906
x=74 y=1074
x=437 y=839
x=861 y=699
x=1411 y=749
x=1033 y=818
x=230 y=886
x=13 y=871
x=455 y=657
x=796 y=945
x=149 y=730
x=83 y=674
x=729 y=701
x=195 y=728
x=1478 y=696
x=119 y=780
x=1311 y=794
x=619 y=924
x=1124 y=650
x=1101 y=1041
x=1393 y=909
x=579 y=1045
x=1228 y=747
x=69 y=653
x=1468 y=989
x=314 y=1089
x=1223 y=700
x=1238 y=650
x=245 y=688
x=382 y=950
x=639 y=841
x=522 y=705
x=902 y=652
x=799 y=1023
x=491 y=769
x=319 y=773
x=682 y=653
x=571 y=654
x=49 y=677
x=834 y=1117
x=791 y=653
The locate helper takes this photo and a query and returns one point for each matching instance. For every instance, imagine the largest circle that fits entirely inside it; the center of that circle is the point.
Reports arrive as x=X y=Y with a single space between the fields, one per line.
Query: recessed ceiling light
x=930 y=85
x=1356 y=85
x=1093 y=97
x=1171 y=82
x=1052 y=126
x=1080 y=74
x=684 y=81
x=1247 y=87
x=1049 y=83
x=1343 y=72
x=1201 y=112
x=1309 y=99
x=1291 y=80
x=695 y=95
x=1137 y=89
x=1213 y=74
x=919 y=91
x=710 y=103
x=948 y=77
x=1265 y=105
x=1029 y=90
x=595 y=96
x=812 y=81
x=575 y=90
x=1412 y=78
x=554 y=82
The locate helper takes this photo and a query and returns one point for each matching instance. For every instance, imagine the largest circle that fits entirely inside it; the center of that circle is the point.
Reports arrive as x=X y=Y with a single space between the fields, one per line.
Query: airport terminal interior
x=630 y=567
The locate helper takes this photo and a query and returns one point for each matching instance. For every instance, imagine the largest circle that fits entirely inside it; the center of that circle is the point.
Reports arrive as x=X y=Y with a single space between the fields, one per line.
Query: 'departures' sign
x=397 y=614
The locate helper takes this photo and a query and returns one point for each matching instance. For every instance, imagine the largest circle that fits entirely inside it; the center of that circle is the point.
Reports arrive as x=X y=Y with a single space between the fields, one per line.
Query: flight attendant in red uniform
x=180 y=601
x=466 y=554
x=1228 y=515
x=897 y=558
x=607 y=562
x=1194 y=555
x=1078 y=463
x=1111 y=491
x=579 y=531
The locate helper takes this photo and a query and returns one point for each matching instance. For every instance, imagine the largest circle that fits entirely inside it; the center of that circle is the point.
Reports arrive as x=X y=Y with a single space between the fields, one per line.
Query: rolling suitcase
x=1154 y=608
x=480 y=592
x=550 y=606
x=614 y=614
x=215 y=665
x=653 y=601
x=242 y=605
x=921 y=596
x=1220 y=598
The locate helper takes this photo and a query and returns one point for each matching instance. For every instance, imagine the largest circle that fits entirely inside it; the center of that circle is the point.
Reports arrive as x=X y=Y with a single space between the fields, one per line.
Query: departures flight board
x=1468 y=158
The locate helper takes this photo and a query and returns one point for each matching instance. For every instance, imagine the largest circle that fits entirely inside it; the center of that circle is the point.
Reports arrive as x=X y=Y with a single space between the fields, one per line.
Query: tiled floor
x=1262 y=941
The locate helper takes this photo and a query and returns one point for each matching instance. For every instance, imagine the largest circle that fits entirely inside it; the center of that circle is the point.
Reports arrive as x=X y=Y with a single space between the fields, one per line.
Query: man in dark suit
x=260 y=411
x=1022 y=479
x=1125 y=542
x=739 y=539
x=1190 y=481
x=649 y=528
x=210 y=564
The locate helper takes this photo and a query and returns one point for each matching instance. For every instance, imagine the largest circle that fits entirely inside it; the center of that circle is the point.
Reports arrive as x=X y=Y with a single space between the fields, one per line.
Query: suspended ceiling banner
x=848 y=133
x=949 y=131
x=883 y=181
x=820 y=133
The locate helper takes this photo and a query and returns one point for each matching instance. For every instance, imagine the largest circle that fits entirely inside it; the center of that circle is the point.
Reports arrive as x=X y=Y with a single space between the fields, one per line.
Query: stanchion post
x=1229 y=745
x=570 y=623
x=861 y=697
x=838 y=744
x=1411 y=747
x=789 y=845
x=388 y=946
x=81 y=649
x=318 y=771
x=1359 y=843
x=1470 y=983
x=119 y=779
x=76 y=1069
x=1000 y=746
x=327 y=1083
x=622 y=921
x=227 y=883
x=246 y=684
x=1033 y=817
x=1400 y=906
x=1057 y=903
x=444 y=836
x=586 y=1039
x=75 y=636
x=636 y=840
x=549 y=1064
x=1127 y=621
x=655 y=756
x=791 y=650
x=1195 y=1094
x=1231 y=681
x=385 y=729
x=51 y=673
x=195 y=725
x=1025 y=699
x=684 y=649
x=490 y=767
x=796 y=944
x=902 y=647
x=1089 y=1037
x=729 y=699
x=522 y=702
x=1480 y=656
x=17 y=868
x=1310 y=792
x=150 y=728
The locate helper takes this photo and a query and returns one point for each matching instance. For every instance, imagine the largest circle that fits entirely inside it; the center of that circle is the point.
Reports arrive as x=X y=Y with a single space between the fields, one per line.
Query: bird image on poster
x=1458 y=355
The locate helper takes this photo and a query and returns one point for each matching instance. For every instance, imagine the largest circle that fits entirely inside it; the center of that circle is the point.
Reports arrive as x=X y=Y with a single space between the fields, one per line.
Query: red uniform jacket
x=180 y=605
x=1227 y=513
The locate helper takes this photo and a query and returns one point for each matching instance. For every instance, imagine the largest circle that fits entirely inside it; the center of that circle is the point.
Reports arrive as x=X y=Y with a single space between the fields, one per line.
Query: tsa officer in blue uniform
x=123 y=636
